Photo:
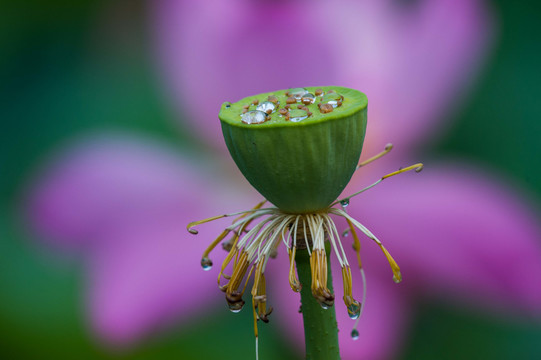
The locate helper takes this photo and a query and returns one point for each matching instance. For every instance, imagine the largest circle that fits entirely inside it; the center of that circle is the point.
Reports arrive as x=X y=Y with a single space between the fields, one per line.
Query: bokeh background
x=70 y=69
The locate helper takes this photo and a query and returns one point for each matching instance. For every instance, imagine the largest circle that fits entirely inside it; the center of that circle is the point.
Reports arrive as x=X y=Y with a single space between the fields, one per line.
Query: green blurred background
x=63 y=74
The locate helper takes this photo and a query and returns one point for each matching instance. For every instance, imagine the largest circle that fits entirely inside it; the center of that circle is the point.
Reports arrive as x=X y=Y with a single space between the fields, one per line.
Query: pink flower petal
x=147 y=277
x=410 y=60
x=456 y=234
x=113 y=180
x=127 y=202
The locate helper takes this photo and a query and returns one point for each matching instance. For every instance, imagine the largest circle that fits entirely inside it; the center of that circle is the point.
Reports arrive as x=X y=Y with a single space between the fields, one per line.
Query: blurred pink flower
x=125 y=201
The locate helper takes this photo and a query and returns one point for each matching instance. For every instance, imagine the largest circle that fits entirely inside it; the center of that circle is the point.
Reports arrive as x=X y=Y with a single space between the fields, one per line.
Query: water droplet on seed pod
x=331 y=99
x=296 y=115
x=266 y=106
x=254 y=117
x=297 y=93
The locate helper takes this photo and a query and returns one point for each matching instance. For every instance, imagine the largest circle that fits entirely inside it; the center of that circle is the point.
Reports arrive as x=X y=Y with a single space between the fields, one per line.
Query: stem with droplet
x=320 y=327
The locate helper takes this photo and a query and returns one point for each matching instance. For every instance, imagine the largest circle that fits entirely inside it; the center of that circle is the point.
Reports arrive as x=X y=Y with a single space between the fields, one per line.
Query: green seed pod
x=299 y=155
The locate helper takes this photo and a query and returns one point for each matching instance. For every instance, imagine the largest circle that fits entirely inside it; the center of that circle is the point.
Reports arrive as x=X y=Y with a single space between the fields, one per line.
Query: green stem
x=320 y=327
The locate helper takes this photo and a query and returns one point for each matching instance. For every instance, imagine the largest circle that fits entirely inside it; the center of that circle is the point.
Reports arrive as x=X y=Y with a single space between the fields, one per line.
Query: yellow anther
x=239 y=270
x=293 y=281
x=199 y=222
x=258 y=206
x=417 y=167
x=229 y=257
x=397 y=275
x=348 y=286
x=215 y=242
x=352 y=305
x=387 y=149
x=318 y=265
x=356 y=242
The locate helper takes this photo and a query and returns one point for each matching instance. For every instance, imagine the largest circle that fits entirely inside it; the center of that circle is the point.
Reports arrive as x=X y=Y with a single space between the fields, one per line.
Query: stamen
x=199 y=222
x=232 y=295
x=397 y=275
x=417 y=167
x=243 y=213
x=293 y=281
x=357 y=248
x=387 y=150
x=257 y=207
x=259 y=294
x=214 y=243
x=354 y=331
x=352 y=305
x=229 y=256
x=318 y=265
x=356 y=243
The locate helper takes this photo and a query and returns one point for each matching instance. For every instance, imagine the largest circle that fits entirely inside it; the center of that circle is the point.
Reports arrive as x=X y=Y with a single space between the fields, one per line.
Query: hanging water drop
x=354 y=310
x=296 y=115
x=206 y=263
x=236 y=307
x=266 y=106
x=397 y=278
x=254 y=117
x=345 y=233
x=354 y=334
x=324 y=306
x=344 y=203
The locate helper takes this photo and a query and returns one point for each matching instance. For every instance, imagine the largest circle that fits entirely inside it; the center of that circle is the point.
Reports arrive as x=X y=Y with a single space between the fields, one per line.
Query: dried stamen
x=387 y=150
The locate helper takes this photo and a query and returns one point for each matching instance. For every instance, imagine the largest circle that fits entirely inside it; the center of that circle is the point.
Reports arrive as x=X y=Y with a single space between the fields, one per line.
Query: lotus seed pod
x=300 y=159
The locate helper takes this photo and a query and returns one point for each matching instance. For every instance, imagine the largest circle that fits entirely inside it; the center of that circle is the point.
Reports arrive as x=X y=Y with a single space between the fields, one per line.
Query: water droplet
x=397 y=278
x=354 y=334
x=206 y=263
x=297 y=93
x=266 y=106
x=331 y=99
x=354 y=310
x=297 y=115
x=345 y=233
x=344 y=203
x=324 y=306
x=308 y=98
x=235 y=308
x=254 y=117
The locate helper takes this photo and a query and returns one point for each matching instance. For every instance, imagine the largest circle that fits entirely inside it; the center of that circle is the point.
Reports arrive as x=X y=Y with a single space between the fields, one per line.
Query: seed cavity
x=325 y=108
x=297 y=105
x=273 y=99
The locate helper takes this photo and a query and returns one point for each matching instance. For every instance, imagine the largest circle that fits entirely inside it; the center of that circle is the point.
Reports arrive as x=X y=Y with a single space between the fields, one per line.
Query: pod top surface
x=293 y=107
